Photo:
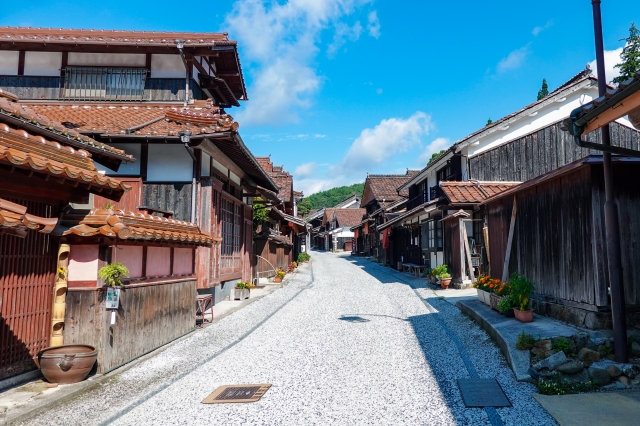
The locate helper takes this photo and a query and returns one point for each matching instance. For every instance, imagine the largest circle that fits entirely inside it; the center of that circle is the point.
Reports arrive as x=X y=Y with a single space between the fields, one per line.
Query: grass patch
x=555 y=386
x=525 y=341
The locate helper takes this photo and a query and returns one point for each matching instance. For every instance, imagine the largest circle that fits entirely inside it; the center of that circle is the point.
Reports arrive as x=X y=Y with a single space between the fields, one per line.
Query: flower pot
x=246 y=293
x=277 y=279
x=238 y=293
x=494 y=299
x=67 y=363
x=523 y=316
x=484 y=296
x=444 y=282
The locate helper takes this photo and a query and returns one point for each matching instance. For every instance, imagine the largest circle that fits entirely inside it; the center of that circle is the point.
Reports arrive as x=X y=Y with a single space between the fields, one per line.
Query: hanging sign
x=113 y=298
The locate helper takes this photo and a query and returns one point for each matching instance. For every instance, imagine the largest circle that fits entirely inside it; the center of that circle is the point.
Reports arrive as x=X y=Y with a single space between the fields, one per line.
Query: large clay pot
x=523 y=316
x=444 y=282
x=67 y=363
x=277 y=279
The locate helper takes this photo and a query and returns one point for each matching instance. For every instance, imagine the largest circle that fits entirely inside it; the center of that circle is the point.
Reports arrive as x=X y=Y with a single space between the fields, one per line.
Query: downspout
x=59 y=297
x=180 y=45
x=185 y=137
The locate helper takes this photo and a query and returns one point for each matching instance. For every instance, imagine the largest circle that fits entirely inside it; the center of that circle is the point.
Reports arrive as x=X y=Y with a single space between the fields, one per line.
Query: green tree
x=489 y=121
x=260 y=212
x=304 y=207
x=435 y=155
x=630 y=56
x=544 y=90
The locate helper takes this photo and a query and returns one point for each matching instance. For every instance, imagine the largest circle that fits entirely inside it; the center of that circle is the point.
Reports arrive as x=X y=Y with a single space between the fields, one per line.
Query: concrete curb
x=68 y=392
x=518 y=360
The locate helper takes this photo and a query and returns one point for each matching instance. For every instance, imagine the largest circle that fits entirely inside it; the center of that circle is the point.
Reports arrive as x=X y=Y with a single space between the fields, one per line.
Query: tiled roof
x=347 y=201
x=15 y=220
x=140 y=119
x=471 y=192
x=429 y=205
x=385 y=187
x=122 y=37
x=24 y=150
x=126 y=225
x=11 y=111
x=349 y=217
x=328 y=216
x=283 y=179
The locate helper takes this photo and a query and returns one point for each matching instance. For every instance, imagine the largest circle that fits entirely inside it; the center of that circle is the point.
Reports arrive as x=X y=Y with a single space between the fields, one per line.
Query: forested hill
x=333 y=196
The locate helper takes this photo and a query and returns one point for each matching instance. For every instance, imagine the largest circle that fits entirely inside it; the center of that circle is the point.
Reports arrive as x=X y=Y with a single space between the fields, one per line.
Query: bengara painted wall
x=131 y=257
x=158 y=261
x=182 y=261
x=83 y=263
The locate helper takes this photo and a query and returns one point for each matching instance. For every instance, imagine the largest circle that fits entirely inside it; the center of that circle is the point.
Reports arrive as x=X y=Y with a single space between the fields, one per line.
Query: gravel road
x=345 y=342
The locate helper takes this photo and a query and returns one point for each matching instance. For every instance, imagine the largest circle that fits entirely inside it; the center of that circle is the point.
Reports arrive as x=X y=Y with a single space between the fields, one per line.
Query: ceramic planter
x=241 y=293
x=484 y=296
x=523 y=316
x=277 y=279
x=444 y=282
x=67 y=363
x=494 y=299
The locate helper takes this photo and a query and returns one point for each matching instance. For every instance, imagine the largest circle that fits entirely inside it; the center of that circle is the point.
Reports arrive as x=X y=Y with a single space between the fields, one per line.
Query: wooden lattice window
x=231 y=235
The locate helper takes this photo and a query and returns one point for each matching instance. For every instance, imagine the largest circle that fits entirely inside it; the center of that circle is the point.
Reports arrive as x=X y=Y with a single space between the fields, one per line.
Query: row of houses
x=116 y=146
x=516 y=195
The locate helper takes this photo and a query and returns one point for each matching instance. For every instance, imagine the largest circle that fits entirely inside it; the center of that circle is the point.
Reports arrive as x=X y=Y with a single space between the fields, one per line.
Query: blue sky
x=341 y=88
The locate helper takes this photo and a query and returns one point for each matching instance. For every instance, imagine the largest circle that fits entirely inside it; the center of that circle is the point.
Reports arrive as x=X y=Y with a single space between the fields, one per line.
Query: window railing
x=97 y=83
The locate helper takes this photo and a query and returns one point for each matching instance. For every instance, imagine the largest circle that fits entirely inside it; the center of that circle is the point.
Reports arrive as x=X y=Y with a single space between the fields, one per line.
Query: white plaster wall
x=235 y=179
x=43 y=63
x=546 y=116
x=167 y=66
x=107 y=59
x=169 y=163
x=8 y=62
x=344 y=233
x=205 y=169
x=126 y=168
x=219 y=168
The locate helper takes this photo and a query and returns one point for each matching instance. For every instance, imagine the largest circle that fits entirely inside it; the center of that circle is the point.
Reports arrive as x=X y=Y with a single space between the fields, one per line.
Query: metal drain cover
x=237 y=393
x=482 y=393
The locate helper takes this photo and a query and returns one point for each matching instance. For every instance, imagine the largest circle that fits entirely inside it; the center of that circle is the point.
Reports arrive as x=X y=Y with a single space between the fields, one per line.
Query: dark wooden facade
x=541 y=152
x=150 y=315
x=559 y=240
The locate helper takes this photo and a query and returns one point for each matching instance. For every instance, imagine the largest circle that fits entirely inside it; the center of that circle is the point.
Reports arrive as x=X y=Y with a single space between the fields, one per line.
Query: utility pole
x=611 y=223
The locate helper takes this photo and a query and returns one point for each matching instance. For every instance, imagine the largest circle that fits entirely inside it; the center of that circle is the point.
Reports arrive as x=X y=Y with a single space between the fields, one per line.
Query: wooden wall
x=553 y=239
x=174 y=197
x=452 y=249
x=541 y=152
x=130 y=199
x=150 y=315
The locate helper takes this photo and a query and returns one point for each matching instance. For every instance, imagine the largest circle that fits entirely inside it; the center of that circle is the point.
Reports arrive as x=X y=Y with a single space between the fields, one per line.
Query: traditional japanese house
x=160 y=96
x=316 y=221
x=380 y=192
x=44 y=167
x=340 y=232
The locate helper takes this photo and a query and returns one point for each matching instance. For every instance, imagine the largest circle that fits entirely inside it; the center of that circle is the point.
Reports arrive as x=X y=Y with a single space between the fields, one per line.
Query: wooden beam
x=507 y=254
x=618 y=110
x=467 y=251
x=21 y=62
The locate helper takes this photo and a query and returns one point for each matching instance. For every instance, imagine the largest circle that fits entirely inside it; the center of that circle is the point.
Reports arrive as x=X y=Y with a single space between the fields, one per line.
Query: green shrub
x=555 y=386
x=506 y=303
x=440 y=270
x=112 y=273
x=522 y=290
x=525 y=341
x=303 y=257
x=562 y=344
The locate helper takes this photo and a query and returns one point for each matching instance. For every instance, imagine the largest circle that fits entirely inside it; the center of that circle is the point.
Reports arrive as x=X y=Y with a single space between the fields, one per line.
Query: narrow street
x=345 y=342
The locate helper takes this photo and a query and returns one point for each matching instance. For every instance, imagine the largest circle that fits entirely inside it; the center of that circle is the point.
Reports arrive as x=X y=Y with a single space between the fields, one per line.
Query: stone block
x=576 y=316
x=630 y=370
x=582 y=339
x=587 y=355
x=624 y=380
x=544 y=345
x=601 y=377
x=581 y=377
x=571 y=367
x=613 y=371
x=553 y=362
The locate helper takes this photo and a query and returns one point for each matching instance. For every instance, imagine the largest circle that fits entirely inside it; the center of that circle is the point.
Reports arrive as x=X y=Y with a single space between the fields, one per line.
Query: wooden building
x=44 y=166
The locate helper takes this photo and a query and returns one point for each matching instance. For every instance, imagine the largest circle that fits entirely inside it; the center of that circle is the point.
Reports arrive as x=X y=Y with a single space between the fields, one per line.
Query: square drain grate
x=482 y=393
x=237 y=393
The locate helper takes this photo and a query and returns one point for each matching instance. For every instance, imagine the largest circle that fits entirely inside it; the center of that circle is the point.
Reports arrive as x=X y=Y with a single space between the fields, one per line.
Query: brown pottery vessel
x=67 y=363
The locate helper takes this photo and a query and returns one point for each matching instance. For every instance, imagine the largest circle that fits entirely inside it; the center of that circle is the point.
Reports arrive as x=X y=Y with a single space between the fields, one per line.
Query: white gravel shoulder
x=346 y=342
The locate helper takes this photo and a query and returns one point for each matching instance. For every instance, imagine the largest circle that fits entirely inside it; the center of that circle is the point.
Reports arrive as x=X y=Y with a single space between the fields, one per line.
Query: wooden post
x=507 y=255
x=467 y=250
x=462 y=246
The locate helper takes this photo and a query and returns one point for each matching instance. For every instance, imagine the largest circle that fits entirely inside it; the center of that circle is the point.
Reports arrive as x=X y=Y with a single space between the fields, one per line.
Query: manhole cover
x=482 y=393
x=237 y=393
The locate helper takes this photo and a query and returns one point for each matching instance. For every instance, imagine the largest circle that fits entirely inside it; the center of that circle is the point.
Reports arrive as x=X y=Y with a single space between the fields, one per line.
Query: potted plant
x=500 y=290
x=522 y=290
x=279 y=275
x=482 y=286
x=441 y=272
x=303 y=257
x=506 y=305
x=242 y=290
x=112 y=273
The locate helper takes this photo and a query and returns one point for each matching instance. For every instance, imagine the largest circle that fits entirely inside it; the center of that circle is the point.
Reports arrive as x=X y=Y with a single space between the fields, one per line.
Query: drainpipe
x=612 y=226
x=180 y=45
x=60 y=297
x=185 y=137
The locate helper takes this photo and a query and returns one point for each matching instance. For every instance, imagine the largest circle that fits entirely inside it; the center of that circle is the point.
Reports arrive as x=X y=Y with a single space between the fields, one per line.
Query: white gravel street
x=345 y=342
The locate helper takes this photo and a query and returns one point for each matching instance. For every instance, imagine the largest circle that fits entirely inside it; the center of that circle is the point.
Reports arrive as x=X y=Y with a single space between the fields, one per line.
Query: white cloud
x=391 y=136
x=611 y=58
x=374 y=24
x=436 y=146
x=280 y=42
x=514 y=60
x=538 y=30
x=343 y=33
x=379 y=91
x=304 y=170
